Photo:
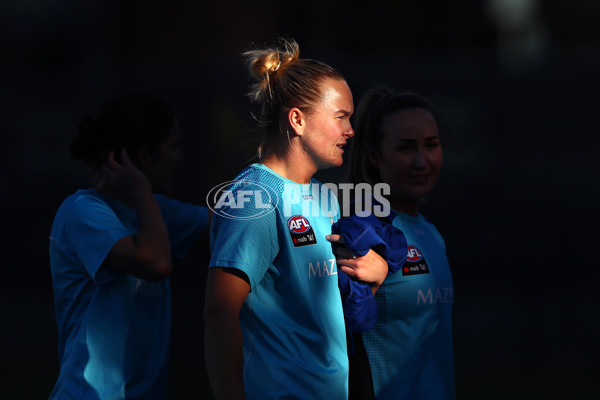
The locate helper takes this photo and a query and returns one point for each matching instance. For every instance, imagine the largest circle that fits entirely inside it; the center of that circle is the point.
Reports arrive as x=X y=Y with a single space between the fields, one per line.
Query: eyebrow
x=343 y=112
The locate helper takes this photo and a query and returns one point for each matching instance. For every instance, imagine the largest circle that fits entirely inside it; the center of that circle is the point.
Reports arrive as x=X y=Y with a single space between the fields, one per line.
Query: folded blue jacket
x=364 y=233
x=360 y=235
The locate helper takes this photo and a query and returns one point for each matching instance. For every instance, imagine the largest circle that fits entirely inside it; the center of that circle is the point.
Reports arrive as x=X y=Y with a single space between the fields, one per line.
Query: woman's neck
x=105 y=189
x=289 y=163
x=406 y=205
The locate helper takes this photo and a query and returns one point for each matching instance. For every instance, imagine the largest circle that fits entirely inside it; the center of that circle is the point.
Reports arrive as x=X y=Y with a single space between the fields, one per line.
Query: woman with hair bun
x=111 y=250
x=274 y=323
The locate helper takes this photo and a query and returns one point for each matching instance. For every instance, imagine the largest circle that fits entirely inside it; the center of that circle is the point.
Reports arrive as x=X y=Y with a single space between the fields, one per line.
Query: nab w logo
x=298 y=224
x=414 y=254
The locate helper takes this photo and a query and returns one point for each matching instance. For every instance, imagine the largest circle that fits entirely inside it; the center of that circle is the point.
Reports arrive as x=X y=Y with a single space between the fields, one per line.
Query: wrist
x=142 y=195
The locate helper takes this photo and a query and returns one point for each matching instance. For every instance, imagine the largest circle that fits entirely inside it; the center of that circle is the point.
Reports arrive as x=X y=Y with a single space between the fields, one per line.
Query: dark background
x=517 y=89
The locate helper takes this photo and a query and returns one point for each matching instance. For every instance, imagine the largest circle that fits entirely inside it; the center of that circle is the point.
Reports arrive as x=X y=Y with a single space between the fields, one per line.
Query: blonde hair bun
x=265 y=63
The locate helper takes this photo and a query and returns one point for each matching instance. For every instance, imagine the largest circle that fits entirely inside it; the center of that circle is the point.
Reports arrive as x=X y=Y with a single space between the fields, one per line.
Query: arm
x=226 y=291
x=146 y=255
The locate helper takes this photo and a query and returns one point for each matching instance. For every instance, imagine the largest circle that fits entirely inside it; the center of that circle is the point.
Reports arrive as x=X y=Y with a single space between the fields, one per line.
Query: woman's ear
x=372 y=155
x=297 y=120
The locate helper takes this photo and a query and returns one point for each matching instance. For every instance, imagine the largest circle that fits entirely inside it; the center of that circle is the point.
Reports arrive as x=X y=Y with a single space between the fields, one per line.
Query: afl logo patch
x=415 y=263
x=298 y=224
x=301 y=232
x=414 y=254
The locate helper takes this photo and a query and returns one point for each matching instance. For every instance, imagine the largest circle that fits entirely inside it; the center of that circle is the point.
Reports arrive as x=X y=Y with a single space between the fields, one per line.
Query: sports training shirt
x=292 y=321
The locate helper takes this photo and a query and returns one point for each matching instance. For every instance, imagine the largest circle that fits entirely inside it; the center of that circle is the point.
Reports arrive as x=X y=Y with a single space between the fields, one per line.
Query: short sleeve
x=185 y=223
x=245 y=238
x=90 y=228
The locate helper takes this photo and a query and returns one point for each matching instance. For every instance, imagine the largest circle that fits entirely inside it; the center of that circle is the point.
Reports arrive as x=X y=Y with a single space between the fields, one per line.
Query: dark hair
x=132 y=121
x=283 y=81
x=377 y=104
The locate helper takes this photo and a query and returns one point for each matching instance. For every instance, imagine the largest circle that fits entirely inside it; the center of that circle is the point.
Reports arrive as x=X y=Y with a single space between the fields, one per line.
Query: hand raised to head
x=124 y=179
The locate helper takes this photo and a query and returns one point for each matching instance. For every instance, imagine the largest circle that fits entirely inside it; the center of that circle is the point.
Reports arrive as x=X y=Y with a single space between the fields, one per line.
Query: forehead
x=336 y=95
x=413 y=123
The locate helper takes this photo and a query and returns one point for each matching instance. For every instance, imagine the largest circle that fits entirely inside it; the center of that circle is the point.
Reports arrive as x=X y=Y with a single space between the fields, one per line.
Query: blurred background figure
x=522 y=37
x=111 y=250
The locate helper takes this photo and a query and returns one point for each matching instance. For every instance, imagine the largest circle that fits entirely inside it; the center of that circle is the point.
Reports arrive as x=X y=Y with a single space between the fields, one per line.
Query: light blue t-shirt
x=292 y=320
x=410 y=348
x=113 y=328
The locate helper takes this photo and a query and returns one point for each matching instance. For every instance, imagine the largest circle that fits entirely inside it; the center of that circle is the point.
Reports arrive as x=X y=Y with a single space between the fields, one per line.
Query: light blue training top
x=113 y=328
x=292 y=320
x=410 y=348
